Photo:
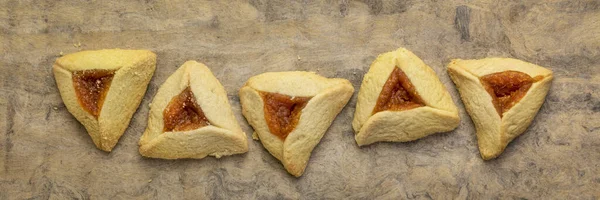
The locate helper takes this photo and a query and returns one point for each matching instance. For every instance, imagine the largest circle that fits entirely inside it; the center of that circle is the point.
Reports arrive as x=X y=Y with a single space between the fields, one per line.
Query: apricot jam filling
x=183 y=113
x=507 y=88
x=398 y=94
x=282 y=112
x=91 y=87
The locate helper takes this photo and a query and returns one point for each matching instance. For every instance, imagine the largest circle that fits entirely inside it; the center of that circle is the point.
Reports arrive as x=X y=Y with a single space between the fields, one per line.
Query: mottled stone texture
x=45 y=153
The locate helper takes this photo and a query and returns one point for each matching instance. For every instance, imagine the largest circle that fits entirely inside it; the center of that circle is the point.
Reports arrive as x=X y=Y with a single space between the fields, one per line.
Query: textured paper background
x=45 y=153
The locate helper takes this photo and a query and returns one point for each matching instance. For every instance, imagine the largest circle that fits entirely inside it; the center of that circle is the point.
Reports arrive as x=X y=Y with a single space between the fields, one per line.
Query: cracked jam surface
x=183 y=113
x=282 y=112
x=91 y=87
x=398 y=94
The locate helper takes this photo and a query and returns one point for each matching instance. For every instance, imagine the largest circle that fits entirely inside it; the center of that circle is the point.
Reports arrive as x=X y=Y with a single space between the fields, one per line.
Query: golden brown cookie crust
x=220 y=136
x=131 y=71
x=495 y=131
x=327 y=98
x=433 y=111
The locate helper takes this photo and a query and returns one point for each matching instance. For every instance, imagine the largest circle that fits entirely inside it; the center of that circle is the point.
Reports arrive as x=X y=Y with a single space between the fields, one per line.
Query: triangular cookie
x=502 y=96
x=401 y=99
x=103 y=89
x=190 y=117
x=291 y=111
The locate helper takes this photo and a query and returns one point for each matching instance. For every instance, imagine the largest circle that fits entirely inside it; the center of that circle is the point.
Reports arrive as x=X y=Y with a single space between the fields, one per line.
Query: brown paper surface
x=45 y=153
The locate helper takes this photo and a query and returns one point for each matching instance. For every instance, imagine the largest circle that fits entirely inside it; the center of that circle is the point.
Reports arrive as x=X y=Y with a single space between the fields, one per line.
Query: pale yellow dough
x=134 y=69
x=438 y=115
x=221 y=138
x=495 y=132
x=329 y=96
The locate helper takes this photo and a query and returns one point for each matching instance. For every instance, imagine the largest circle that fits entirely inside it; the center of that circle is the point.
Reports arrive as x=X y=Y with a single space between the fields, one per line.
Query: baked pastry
x=502 y=96
x=291 y=111
x=401 y=99
x=103 y=89
x=190 y=117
